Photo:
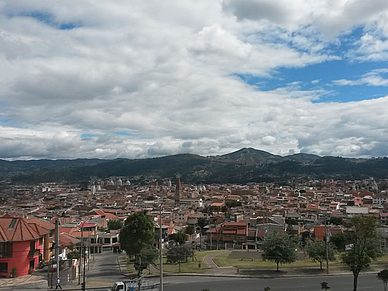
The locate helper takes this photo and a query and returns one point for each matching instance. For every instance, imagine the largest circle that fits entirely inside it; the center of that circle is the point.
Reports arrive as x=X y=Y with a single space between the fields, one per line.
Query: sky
x=142 y=79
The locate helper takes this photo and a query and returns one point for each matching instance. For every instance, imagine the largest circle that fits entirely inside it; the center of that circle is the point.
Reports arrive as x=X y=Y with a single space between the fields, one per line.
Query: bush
x=13 y=273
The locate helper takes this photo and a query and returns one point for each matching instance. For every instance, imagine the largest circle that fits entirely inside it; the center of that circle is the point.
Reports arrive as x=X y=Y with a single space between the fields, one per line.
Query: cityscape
x=224 y=228
x=194 y=145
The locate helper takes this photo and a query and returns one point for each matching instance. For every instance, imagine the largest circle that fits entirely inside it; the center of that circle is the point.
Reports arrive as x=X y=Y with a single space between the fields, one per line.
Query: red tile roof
x=66 y=239
x=16 y=229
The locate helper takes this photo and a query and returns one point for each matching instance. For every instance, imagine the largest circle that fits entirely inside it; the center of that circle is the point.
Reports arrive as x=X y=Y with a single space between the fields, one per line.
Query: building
x=21 y=246
x=229 y=234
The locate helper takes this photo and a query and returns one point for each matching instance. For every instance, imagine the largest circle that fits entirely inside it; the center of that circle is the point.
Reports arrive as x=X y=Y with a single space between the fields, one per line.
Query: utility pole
x=327 y=245
x=83 y=285
x=81 y=250
x=57 y=245
x=211 y=239
x=160 y=248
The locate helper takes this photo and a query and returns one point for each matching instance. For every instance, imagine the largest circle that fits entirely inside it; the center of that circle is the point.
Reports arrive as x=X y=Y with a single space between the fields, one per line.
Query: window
x=41 y=240
x=107 y=240
x=114 y=240
x=4 y=268
x=5 y=250
x=12 y=224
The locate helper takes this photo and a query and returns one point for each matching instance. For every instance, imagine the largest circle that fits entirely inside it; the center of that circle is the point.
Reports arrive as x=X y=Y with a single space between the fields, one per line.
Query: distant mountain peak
x=250 y=156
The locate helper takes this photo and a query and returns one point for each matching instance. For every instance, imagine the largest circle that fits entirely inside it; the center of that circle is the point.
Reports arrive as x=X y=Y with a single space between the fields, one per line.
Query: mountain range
x=242 y=166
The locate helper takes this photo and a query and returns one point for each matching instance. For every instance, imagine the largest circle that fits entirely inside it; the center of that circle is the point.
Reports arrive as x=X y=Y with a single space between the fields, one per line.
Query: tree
x=383 y=276
x=144 y=259
x=178 y=254
x=179 y=237
x=317 y=252
x=190 y=229
x=73 y=255
x=338 y=240
x=336 y=220
x=137 y=234
x=363 y=242
x=280 y=249
x=115 y=224
x=202 y=222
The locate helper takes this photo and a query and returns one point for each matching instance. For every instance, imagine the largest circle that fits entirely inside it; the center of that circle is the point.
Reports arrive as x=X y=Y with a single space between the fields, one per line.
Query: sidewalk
x=35 y=279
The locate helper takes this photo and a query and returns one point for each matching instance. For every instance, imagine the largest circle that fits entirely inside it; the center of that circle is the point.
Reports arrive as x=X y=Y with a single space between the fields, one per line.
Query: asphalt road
x=366 y=282
x=104 y=268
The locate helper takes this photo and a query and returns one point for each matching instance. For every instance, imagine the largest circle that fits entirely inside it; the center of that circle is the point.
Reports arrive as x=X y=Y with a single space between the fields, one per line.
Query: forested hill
x=243 y=166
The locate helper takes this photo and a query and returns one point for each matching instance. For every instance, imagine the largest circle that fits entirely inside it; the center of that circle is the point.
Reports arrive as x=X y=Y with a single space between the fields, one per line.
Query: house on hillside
x=21 y=246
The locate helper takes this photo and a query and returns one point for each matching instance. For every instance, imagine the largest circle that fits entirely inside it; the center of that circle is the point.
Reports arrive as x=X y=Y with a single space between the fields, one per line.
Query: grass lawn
x=225 y=260
x=190 y=266
x=186 y=267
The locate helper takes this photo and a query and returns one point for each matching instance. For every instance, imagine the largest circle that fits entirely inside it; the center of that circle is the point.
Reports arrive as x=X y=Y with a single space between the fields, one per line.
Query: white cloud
x=372 y=78
x=165 y=73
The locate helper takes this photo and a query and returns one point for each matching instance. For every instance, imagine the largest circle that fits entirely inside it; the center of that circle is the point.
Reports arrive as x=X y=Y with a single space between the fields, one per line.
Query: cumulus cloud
x=74 y=75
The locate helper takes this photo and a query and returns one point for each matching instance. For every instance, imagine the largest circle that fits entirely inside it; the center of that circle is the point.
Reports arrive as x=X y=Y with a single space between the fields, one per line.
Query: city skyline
x=127 y=79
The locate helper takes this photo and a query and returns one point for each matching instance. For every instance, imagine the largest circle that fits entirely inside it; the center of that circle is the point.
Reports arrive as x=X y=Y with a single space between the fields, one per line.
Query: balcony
x=33 y=253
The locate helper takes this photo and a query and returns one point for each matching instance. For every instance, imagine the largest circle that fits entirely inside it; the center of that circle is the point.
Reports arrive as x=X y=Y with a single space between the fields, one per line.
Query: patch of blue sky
x=5 y=121
x=321 y=76
x=48 y=19
x=88 y=135
x=123 y=133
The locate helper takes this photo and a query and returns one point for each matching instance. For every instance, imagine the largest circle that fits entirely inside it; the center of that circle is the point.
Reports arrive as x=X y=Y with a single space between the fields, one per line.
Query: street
x=104 y=271
x=366 y=282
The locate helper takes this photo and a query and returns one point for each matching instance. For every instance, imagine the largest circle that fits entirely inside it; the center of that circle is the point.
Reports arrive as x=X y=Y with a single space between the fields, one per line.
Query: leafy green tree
x=73 y=255
x=144 y=259
x=115 y=224
x=279 y=249
x=338 y=240
x=202 y=222
x=190 y=229
x=383 y=276
x=364 y=245
x=179 y=237
x=178 y=254
x=304 y=238
x=137 y=234
x=317 y=252
x=336 y=220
